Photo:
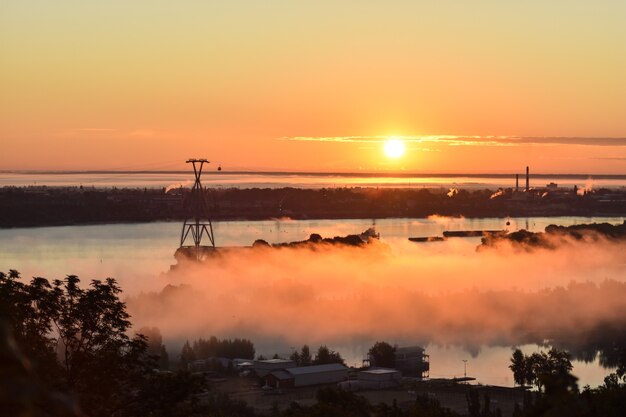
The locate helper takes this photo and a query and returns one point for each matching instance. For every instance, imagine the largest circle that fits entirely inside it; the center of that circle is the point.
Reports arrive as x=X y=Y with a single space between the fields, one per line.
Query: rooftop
x=302 y=370
x=380 y=371
x=275 y=361
x=408 y=349
x=282 y=375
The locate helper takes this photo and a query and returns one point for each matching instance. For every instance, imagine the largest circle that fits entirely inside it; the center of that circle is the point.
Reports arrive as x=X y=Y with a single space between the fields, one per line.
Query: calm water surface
x=224 y=179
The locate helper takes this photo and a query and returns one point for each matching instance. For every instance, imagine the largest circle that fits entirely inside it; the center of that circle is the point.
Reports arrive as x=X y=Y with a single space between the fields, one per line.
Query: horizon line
x=314 y=173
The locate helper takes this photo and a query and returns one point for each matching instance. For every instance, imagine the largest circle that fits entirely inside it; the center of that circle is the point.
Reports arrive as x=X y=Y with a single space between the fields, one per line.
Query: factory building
x=304 y=376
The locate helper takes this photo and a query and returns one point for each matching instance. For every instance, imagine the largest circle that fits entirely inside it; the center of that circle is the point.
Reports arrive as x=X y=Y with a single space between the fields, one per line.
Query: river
x=223 y=179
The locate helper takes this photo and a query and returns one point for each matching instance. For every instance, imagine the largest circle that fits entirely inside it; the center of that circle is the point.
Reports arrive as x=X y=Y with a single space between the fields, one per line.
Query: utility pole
x=464 y=368
x=197 y=221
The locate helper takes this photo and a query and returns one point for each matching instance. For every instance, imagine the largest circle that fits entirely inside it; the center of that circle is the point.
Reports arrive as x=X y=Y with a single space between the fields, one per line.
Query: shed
x=279 y=379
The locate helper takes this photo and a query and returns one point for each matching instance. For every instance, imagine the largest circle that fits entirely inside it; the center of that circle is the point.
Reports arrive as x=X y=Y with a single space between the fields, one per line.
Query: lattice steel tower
x=197 y=221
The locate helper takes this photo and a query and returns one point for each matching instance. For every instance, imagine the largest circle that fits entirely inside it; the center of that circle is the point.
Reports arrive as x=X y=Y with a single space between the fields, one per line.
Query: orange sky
x=147 y=84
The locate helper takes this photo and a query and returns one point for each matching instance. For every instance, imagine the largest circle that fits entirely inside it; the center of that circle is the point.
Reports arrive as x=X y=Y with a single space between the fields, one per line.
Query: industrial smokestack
x=527 y=180
x=516 y=182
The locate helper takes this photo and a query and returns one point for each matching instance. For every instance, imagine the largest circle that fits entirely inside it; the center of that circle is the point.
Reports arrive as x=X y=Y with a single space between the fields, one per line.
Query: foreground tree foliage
x=76 y=336
x=22 y=393
x=75 y=340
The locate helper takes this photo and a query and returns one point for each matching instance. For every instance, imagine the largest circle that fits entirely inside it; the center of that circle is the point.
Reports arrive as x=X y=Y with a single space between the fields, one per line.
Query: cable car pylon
x=197 y=224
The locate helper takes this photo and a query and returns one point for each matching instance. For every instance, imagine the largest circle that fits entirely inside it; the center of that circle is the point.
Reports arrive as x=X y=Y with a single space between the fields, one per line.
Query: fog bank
x=444 y=293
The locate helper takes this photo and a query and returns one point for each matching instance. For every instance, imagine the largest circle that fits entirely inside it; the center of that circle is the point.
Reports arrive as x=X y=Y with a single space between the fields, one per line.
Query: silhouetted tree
x=302 y=358
x=539 y=366
x=305 y=356
x=225 y=348
x=187 y=355
x=325 y=356
x=520 y=366
x=295 y=356
x=156 y=348
x=553 y=363
x=383 y=354
x=29 y=308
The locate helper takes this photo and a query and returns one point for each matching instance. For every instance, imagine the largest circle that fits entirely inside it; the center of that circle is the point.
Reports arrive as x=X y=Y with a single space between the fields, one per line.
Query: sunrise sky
x=469 y=87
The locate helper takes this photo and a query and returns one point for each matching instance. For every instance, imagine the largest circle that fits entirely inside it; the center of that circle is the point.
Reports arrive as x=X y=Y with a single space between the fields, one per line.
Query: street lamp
x=464 y=368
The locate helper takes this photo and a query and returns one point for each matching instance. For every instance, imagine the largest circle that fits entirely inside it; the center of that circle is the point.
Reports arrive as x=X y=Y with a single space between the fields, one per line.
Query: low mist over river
x=458 y=303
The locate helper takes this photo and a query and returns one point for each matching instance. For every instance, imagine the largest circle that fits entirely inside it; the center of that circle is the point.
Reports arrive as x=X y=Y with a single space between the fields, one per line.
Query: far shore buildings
x=411 y=362
x=264 y=367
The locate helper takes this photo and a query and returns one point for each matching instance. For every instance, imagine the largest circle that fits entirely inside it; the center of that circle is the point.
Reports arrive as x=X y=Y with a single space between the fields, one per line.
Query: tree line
x=216 y=348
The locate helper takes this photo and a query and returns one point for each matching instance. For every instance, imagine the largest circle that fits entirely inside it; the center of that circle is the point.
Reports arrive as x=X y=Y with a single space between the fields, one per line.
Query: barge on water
x=458 y=233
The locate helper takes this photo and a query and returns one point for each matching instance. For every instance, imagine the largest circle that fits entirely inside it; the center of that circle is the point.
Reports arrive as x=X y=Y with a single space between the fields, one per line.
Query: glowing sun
x=394 y=148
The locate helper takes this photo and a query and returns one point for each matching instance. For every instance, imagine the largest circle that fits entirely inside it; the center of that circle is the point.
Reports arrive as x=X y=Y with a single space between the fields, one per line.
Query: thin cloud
x=588 y=141
x=445 y=139
x=452 y=140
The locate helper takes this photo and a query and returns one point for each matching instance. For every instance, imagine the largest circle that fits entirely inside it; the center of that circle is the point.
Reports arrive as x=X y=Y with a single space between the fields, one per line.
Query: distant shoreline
x=55 y=206
x=582 y=176
x=214 y=179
